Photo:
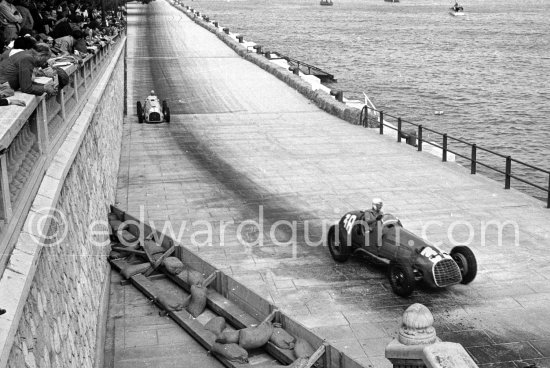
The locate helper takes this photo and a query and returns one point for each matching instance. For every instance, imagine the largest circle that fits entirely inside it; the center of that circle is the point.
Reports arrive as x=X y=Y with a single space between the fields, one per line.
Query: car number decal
x=349 y=220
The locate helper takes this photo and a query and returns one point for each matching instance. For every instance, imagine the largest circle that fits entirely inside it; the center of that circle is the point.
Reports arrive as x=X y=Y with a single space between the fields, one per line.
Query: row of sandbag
x=233 y=344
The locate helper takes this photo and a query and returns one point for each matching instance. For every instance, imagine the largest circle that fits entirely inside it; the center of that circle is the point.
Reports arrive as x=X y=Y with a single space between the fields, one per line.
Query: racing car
x=152 y=111
x=410 y=258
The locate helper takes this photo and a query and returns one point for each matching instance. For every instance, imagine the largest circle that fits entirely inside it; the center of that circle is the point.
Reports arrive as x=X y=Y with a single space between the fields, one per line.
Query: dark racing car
x=152 y=111
x=410 y=258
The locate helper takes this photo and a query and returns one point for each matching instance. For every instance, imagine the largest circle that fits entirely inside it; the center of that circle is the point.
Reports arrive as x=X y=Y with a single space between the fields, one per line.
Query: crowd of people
x=35 y=34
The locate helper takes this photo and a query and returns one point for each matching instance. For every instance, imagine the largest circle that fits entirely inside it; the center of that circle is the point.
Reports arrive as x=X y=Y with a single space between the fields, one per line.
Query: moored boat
x=326 y=2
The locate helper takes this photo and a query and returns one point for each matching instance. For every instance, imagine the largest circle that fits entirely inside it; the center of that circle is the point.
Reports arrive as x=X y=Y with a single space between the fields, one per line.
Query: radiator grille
x=154 y=116
x=446 y=272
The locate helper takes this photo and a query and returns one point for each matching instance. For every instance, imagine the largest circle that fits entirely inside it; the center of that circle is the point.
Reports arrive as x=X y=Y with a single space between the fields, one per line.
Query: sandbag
x=132 y=270
x=254 y=337
x=191 y=277
x=303 y=349
x=172 y=265
x=172 y=301
x=152 y=247
x=281 y=338
x=128 y=239
x=198 y=300
x=231 y=352
x=215 y=325
x=116 y=255
x=228 y=336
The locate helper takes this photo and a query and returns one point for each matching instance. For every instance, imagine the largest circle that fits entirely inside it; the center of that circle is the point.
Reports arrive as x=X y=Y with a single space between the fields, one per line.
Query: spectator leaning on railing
x=18 y=70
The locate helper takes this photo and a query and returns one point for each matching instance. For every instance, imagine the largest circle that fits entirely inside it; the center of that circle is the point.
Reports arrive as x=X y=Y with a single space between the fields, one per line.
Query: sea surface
x=483 y=78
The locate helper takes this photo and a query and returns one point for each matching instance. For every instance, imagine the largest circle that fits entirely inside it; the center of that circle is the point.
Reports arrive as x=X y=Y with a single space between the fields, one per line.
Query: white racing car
x=152 y=111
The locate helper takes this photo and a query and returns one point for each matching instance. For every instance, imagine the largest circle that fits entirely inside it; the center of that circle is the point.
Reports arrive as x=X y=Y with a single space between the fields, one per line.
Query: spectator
x=5 y=92
x=61 y=27
x=10 y=21
x=36 y=9
x=67 y=43
x=18 y=70
x=21 y=43
x=23 y=7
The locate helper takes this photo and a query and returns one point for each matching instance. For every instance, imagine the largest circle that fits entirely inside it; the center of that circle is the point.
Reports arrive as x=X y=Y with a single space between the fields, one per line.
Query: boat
x=456 y=13
x=391 y=1
x=326 y=2
x=456 y=10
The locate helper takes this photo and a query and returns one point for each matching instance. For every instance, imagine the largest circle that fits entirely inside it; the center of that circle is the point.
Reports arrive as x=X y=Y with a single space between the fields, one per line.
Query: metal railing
x=475 y=155
x=30 y=137
x=309 y=69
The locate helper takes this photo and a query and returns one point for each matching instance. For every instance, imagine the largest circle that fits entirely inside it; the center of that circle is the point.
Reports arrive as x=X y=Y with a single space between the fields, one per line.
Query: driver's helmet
x=152 y=93
x=377 y=204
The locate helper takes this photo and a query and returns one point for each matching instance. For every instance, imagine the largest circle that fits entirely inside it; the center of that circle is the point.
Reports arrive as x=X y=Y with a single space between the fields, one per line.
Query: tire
x=401 y=278
x=139 y=112
x=167 y=114
x=466 y=261
x=339 y=252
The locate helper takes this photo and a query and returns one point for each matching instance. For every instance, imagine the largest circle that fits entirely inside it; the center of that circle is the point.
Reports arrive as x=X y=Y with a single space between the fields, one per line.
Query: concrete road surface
x=242 y=146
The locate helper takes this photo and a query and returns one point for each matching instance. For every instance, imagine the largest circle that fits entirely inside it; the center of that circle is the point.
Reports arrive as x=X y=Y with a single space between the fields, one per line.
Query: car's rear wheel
x=167 y=114
x=139 y=112
x=338 y=250
x=466 y=261
x=401 y=278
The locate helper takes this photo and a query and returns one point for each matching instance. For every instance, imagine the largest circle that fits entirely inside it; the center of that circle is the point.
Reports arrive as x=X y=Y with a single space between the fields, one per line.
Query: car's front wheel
x=401 y=277
x=466 y=261
x=338 y=250
x=139 y=112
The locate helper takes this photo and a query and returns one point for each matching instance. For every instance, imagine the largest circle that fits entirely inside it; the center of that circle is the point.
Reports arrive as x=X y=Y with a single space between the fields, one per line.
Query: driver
x=152 y=97
x=374 y=214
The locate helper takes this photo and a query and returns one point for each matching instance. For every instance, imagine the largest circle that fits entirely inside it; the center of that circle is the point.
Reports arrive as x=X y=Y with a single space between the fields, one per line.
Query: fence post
x=420 y=138
x=473 y=159
x=399 y=130
x=381 y=122
x=508 y=172
x=5 y=200
x=444 y=155
x=42 y=127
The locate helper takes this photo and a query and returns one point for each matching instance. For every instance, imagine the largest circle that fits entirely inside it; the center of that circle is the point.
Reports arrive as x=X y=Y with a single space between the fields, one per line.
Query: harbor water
x=483 y=77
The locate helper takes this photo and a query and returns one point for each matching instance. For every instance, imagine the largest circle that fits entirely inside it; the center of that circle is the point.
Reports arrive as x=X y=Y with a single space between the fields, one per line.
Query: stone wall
x=58 y=326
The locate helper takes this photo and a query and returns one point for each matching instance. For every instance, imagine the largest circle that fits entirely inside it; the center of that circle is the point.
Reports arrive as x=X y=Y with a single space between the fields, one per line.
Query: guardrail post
x=473 y=161
x=62 y=103
x=420 y=138
x=5 y=200
x=381 y=122
x=75 y=86
x=399 y=130
x=42 y=127
x=508 y=172
x=444 y=155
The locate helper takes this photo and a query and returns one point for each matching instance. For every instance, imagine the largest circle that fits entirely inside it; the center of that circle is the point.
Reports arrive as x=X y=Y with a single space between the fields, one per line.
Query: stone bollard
x=339 y=95
x=417 y=345
x=216 y=24
x=410 y=136
x=240 y=38
x=226 y=30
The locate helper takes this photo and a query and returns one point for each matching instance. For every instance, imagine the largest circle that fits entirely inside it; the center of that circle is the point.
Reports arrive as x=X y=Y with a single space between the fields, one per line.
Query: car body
x=410 y=258
x=152 y=111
